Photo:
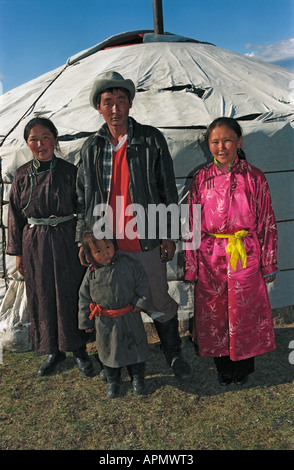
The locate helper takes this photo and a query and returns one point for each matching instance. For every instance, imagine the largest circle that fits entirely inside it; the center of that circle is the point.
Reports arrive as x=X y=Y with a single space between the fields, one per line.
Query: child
x=113 y=293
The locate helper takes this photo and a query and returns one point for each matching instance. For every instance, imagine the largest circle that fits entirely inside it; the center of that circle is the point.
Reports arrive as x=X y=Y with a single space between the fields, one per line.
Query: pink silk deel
x=232 y=310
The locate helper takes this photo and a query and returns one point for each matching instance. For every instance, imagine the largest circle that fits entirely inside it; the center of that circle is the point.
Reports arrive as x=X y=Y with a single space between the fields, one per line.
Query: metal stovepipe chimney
x=158 y=17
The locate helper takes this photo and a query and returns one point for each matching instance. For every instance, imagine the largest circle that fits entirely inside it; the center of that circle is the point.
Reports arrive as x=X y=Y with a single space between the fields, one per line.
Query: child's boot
x=137 y=374
x=113 y=381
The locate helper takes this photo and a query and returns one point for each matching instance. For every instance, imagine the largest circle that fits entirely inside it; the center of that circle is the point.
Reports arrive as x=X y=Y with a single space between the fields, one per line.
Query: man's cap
x=110 y=80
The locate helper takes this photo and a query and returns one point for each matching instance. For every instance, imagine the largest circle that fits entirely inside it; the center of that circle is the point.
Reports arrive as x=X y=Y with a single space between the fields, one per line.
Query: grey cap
x=110 y=80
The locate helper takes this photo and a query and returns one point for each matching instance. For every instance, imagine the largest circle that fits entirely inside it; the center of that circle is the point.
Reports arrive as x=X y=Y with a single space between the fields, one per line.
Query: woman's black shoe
x=224 y=379
x=51 y=362
x=241 y=380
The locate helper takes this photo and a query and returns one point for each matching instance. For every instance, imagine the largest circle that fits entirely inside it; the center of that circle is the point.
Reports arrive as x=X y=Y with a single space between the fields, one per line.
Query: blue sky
x=37 y=36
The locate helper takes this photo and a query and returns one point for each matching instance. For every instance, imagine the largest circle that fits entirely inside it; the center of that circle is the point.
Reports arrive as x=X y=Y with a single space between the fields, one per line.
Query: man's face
x=115 y=107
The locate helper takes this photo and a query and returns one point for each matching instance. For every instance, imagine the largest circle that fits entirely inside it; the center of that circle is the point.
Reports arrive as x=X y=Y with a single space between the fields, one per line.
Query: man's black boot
x=168 y=333
x=84 y=362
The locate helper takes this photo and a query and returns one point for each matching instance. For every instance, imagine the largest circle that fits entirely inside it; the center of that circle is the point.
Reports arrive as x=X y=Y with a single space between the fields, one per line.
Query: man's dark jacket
x=151 y=176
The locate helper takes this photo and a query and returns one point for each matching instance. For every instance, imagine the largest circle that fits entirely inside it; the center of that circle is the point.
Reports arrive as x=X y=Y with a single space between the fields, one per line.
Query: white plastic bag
x=14 y=318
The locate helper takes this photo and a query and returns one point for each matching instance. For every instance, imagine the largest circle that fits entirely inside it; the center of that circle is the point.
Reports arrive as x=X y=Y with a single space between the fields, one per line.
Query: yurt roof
x=180 y=83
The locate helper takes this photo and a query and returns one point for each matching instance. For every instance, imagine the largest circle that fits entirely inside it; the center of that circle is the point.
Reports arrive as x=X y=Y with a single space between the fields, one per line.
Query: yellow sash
x=235 y=247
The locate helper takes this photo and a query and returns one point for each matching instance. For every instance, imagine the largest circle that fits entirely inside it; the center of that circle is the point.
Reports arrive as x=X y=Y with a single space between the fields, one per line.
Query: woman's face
x=223 y=143
x=41 y=143
x=102 y=251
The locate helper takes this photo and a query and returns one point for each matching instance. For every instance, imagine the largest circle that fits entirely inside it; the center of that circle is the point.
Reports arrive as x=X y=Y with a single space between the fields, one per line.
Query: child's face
x=102 y=251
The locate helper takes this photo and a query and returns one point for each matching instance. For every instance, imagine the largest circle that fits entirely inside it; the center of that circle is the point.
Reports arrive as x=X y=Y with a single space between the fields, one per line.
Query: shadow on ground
x=271 y=369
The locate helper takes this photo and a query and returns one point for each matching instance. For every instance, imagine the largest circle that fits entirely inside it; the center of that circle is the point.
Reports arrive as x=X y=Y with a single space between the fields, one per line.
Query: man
x=128 y=162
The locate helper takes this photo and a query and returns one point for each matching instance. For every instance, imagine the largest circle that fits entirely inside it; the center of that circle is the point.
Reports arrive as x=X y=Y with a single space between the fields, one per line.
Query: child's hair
x=89 y=237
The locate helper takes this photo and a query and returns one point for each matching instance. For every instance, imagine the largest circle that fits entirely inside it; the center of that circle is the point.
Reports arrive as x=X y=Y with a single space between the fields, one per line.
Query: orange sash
x=96 y=310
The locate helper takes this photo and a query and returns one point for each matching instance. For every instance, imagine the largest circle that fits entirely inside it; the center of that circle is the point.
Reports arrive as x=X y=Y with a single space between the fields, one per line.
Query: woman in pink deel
x=235 y=259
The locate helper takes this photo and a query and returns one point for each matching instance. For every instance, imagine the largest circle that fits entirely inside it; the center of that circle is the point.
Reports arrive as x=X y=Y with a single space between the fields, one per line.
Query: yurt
x=181 y=86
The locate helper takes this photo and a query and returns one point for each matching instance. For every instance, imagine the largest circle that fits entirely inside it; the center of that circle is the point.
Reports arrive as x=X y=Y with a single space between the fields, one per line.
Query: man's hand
x=270 y=278
x=19 y=265
x=89 y=330
x=82 y=257
x=136 y=309
x=167 y=250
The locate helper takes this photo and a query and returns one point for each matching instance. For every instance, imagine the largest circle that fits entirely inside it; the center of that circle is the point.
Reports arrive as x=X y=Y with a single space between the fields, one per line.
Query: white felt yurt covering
x=181 y=86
